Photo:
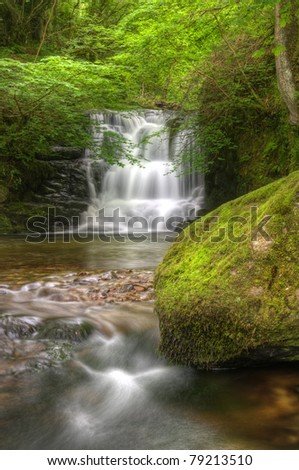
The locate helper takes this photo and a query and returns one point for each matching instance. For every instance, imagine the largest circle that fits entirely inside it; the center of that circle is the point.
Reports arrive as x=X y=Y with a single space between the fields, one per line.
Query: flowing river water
x=114 y=391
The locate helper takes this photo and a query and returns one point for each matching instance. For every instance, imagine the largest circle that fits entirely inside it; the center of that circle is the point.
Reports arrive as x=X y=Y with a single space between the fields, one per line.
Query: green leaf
x=259 y=53
x=279 y=49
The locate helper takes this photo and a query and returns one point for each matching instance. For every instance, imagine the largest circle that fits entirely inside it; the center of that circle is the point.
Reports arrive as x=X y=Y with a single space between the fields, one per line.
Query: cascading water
x=148 y=190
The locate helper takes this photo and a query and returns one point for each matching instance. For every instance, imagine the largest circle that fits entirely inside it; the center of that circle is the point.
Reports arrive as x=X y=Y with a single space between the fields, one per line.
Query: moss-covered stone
x=223 y=301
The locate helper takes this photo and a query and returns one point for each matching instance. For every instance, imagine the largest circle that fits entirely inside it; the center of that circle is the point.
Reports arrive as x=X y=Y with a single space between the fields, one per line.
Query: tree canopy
x=215 y=60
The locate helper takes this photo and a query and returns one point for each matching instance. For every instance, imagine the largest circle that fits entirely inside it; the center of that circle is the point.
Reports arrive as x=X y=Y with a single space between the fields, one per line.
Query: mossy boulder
x=227 y=290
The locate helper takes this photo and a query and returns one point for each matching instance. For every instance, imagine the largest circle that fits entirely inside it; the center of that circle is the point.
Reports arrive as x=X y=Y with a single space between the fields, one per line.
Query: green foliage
x=238 y=120
x=5 y=224
x=115 y=149
x=43 y=104
x=22 y=21
x=93 y=41
x=213 y=60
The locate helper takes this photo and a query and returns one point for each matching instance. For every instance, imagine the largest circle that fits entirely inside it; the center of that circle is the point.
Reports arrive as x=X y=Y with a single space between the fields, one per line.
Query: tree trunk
x=285 y=77
x=44 y=34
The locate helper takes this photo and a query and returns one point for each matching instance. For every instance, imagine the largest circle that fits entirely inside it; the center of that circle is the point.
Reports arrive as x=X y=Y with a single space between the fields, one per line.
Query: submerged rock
x=227 y=290
x=33 y=355
x=73 y=331
x=18 y=327
x=28 y=344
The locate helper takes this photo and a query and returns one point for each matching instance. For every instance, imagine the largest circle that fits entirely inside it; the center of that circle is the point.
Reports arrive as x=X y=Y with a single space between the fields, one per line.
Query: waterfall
x=146 y=190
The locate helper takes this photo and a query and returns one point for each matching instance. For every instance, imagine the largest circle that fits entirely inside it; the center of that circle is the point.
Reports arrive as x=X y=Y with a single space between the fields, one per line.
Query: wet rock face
x=67 y=153
x=66 y=191
x=68 y=188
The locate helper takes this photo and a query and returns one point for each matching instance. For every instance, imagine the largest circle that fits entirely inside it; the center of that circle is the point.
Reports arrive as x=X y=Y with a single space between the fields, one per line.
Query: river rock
x=18 y=327
x=28 y=344
x=73 y=331
x=139 y=288
x=108 y=276
x=226 y=290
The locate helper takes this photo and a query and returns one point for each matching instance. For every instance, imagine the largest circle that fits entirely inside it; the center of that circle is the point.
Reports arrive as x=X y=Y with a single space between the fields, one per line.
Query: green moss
x=265 y=153
x=218 y=299
x=3 y=193
x=16 y=214
x=5 y=224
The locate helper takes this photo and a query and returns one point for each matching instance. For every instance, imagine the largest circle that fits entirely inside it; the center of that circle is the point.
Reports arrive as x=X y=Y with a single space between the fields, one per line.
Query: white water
x=148 y=190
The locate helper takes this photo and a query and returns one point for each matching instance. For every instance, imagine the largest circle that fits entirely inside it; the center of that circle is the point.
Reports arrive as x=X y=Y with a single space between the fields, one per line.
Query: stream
x=114 y=391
